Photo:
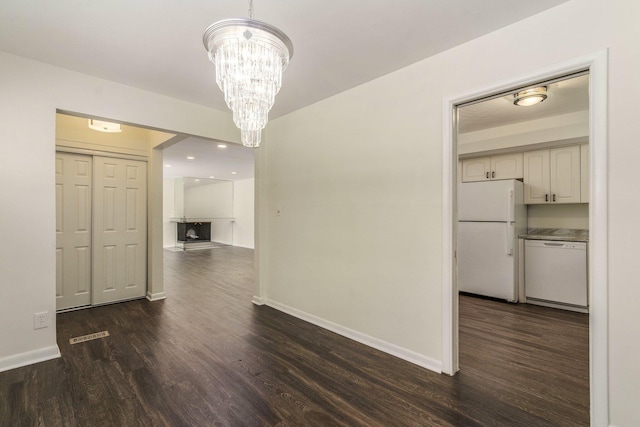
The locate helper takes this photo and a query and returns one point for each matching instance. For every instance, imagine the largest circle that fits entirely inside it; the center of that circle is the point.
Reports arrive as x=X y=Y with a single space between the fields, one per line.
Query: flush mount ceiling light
x=530 y=97
x=250 y=57
x=101 y=126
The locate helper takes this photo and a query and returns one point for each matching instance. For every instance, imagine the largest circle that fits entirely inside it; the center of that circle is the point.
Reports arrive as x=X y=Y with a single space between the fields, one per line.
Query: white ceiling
x=210 y=160
x=157 y=45
x=565 y=96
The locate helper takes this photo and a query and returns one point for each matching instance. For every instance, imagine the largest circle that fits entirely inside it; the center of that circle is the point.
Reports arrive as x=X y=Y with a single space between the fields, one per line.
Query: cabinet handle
x=487 y=175
x=546 y=197
x=554 y=197
x=493 y=174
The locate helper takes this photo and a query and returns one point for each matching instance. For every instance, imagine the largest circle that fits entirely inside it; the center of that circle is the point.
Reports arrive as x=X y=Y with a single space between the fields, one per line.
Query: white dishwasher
x=556 y=274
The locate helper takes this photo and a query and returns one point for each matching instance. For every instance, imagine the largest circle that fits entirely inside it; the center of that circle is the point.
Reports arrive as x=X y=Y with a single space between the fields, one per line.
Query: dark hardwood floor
x=207 y=356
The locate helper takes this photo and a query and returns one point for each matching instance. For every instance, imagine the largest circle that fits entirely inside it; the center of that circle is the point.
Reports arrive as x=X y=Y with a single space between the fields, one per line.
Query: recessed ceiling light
x=196 y=180
x=190 y=158
x=222 y=145
x=167 y=166
x=233 y=173
x=211 y=177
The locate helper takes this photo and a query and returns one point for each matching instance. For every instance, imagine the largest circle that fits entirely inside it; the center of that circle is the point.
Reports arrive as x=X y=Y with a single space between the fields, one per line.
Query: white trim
x=101 y=153
x=244 y=246
x=384 y=346
x=449 y=297
x=258 y=300
x=29 y=358
x=598 y=225
x=155 y=297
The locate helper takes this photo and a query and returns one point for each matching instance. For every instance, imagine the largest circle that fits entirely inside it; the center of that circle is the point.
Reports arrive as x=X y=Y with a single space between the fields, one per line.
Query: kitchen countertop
x=563 y=234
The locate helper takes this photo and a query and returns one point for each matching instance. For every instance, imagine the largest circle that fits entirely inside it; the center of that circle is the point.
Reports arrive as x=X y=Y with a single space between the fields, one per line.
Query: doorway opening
x=595 y=65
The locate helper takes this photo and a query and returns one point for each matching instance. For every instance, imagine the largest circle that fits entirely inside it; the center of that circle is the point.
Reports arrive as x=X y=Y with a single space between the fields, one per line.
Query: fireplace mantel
x=186 y=219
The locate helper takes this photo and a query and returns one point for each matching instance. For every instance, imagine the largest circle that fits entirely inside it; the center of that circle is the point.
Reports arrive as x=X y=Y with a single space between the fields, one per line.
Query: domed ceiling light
x=529 y=97
x=250 y=57
x=103 y=126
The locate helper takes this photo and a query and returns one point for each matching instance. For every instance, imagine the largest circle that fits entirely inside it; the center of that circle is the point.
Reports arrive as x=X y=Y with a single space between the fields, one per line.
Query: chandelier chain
x=251 y=9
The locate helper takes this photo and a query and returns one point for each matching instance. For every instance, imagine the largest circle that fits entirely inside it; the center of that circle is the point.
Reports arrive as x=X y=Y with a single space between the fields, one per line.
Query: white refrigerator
x=491 y=215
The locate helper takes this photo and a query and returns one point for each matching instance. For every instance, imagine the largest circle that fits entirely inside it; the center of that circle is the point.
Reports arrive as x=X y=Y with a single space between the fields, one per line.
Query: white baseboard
x=29 y=358
x=384 y=346
x=157 y=296
x=244 y=246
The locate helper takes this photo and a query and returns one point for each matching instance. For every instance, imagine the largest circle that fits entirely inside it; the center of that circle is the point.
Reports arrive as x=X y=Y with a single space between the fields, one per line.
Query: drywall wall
x=558 y=216
x=168 y=211
x=243 y=212
x=209 y=201
x=212 y=201
x=568 y=128
x=31 y=94
x=357 y=181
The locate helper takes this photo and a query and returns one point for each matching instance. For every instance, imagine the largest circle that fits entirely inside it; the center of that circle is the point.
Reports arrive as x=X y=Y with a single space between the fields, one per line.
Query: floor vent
x=89 y=337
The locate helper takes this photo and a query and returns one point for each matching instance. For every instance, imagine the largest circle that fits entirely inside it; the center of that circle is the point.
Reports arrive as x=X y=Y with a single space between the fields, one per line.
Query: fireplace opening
x=194 y=232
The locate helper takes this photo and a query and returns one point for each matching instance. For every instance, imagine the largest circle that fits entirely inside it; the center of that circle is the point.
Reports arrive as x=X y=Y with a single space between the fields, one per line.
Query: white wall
x=212 y=201
x=358 y=240
x=209 y=201
x=564 y=128
x=31 y=93
x=168 y=211
x=243 y=212
x=558 y=216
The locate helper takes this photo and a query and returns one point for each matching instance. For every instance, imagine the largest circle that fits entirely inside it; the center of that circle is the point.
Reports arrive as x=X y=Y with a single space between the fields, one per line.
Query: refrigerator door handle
x=509 y=237
x=510 y=205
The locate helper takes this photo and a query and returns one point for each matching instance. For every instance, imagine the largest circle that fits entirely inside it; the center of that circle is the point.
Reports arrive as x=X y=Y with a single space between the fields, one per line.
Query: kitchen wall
x=350 y=225
x=570 y=128
x=558 y=216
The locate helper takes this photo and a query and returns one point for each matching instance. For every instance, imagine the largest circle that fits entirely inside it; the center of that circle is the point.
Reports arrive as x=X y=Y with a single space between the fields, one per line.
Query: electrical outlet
x=40 y=320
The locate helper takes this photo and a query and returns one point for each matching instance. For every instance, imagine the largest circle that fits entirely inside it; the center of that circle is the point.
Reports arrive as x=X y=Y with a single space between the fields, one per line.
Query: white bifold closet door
x=119 y=230
x=101 y=227
x=73 y=230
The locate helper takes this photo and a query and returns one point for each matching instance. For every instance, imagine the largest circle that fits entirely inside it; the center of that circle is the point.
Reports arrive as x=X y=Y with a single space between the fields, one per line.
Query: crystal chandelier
x=250 y=57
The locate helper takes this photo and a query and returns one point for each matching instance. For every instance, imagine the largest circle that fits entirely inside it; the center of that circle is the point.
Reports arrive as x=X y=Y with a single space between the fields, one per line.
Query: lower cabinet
x=101 y=230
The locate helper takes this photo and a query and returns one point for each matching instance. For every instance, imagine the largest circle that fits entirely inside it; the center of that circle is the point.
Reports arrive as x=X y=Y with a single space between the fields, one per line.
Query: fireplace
x=194 y=232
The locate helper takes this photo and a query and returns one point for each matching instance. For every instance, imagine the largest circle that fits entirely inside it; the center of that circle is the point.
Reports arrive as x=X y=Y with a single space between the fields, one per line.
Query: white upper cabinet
x=507 y=166
x=565 y=174
x=478 y=169
x=552 y=176
x=537 y=184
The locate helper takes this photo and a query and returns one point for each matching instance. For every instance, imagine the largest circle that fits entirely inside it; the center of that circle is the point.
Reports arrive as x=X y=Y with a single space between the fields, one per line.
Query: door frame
x=596 y=64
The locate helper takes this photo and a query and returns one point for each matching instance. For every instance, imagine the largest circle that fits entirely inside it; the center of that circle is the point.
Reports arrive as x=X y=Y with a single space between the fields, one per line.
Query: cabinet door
x=565 y=174
x=508 y=166
x=476 y=169
x=536 y=177
x=584 y=173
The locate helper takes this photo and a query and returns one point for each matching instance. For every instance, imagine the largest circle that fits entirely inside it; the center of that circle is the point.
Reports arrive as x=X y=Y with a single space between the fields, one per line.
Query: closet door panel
x=73 y=230
x=120 y=235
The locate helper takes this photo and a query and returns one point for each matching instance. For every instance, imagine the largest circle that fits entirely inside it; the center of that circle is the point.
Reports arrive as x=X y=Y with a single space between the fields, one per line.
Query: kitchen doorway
x=595 y=65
